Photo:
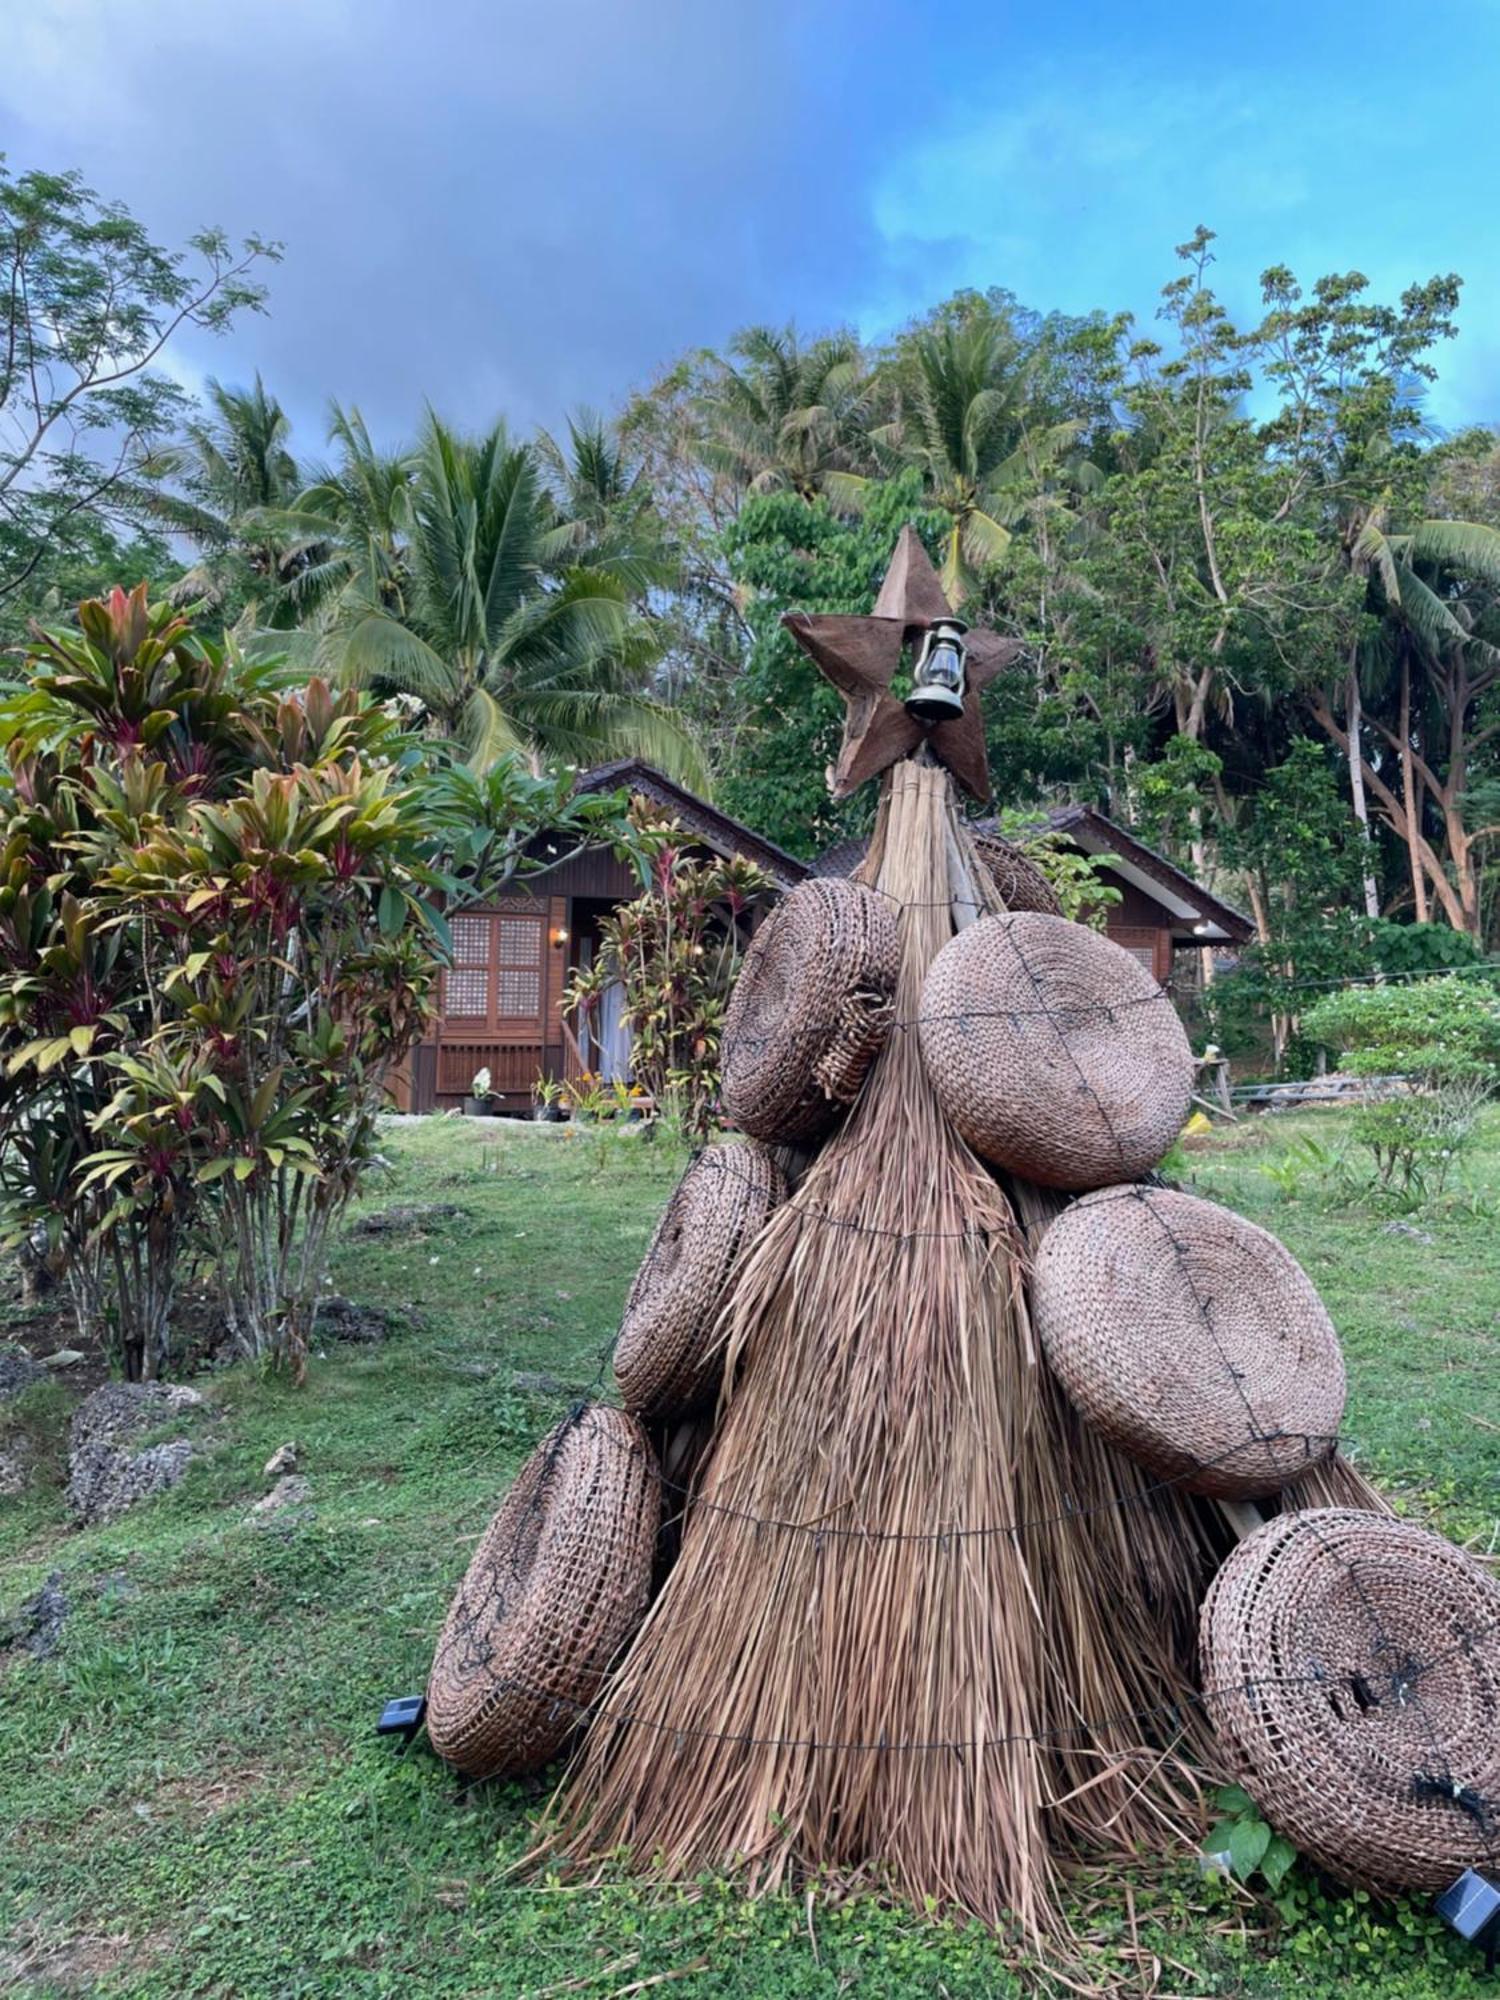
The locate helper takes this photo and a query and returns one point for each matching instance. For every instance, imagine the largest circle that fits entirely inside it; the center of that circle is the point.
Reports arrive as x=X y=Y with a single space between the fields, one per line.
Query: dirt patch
x=75 y=1965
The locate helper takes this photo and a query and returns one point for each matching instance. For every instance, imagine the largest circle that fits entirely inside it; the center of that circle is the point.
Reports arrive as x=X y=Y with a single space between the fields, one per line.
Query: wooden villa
x=501 y=1002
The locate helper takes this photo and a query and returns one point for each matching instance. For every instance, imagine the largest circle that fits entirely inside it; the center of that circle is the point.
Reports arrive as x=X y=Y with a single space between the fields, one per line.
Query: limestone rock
x=288 y=1492
x=338 y=1318
x=284 y=1459
x=403 y=1217
x=17 y=1372
x=106 y=1474
x=38 y=1623
x=64 y=1357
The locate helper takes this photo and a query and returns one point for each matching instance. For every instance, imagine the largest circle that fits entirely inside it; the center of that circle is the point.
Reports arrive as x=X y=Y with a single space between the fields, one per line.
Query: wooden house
x=500 y=1004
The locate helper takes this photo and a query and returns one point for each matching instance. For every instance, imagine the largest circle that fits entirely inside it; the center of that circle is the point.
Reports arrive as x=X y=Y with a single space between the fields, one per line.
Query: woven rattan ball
x=1351 y=1668
x=556 y=1588
x=1054 y=1052
x=810 y=1011
x=1021 y=883
x=663 y=1360
x=1189 y=1337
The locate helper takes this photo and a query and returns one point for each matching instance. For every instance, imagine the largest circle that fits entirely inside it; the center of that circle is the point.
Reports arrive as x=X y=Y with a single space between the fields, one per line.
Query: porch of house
x=500 y=1004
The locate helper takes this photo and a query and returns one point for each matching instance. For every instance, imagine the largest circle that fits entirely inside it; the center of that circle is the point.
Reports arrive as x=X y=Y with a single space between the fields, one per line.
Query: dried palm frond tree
x=927 y=1632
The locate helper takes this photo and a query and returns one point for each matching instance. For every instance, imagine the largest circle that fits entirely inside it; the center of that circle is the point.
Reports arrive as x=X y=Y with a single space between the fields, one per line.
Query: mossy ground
x=192 y=1799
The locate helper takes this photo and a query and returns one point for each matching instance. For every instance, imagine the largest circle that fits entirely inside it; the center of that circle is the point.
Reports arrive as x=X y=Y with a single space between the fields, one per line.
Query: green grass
x=191 y=1798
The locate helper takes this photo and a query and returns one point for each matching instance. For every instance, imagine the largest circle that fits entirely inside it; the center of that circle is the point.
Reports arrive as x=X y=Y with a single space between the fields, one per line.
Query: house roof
x=1195 y=911
x=707 y=823
x=1212 y=919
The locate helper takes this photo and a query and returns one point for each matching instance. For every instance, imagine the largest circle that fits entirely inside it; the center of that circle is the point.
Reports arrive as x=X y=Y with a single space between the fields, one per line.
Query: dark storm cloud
x=511 y=208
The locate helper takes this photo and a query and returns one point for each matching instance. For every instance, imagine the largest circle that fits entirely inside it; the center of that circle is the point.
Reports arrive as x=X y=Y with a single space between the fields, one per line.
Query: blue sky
x=522 y=207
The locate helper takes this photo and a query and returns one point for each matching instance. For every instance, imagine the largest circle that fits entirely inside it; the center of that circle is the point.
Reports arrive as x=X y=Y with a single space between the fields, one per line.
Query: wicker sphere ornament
x=556 y=1588
x=1189 y=1337
x=1021 y=884
x=810 y=1011
x=664 y=1360
x=1351 y=1669
x=1054 y=1052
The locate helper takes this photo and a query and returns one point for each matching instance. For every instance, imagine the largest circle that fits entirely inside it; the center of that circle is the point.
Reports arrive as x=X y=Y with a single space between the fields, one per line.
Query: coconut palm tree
x=233 y=471
x=350 y=521
x=782 y=415
x=508 y=645
x=963 y=390
x=604 y=510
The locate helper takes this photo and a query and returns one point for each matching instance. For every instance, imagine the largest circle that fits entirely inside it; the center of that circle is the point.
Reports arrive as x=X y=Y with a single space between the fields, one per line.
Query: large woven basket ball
x=556 y=1588
x=663 y=1360
x=1189 y=1337
x=1351 y=1667
x=1053 y=1052
x=810 y=1011
x=1021 y=883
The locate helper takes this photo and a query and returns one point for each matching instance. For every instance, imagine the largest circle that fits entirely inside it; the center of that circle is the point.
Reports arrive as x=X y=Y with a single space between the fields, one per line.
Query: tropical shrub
x=675 y=951
x=219 y=933
x=1430 y=1030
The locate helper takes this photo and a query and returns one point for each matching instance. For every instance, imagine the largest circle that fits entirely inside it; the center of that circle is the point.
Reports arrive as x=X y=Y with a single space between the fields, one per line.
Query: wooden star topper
x=860 y=656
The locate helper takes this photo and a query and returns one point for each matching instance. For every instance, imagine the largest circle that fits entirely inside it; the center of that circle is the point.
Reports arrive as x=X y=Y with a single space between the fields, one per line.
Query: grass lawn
x=192 y=1799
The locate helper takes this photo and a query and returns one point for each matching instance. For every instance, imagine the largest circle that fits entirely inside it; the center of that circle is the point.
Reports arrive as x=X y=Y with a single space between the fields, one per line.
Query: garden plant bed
x=195 y=1801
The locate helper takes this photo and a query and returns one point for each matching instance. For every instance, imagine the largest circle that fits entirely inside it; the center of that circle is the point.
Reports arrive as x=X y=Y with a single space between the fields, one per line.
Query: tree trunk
x=1354 y=716
x=1409 y=794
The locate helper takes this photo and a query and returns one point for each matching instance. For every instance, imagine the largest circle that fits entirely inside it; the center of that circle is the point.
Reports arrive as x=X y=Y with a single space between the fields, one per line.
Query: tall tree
x=88 y=308
x=965 y=422
x=781 y=414
x=348 y=526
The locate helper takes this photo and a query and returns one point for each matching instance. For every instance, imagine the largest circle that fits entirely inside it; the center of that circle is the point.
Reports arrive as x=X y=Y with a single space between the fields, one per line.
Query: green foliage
x=1411 y=948
x=1418 y=1140
x=1077 y=879
x=1245 y=1844
x=219 y=932
x=1432 y=1030
x=88 y=306
x=675 y=951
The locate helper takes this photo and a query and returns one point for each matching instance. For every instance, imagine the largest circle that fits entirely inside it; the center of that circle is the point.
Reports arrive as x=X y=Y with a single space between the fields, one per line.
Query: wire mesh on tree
x=666 y=1364
x=1191 y=1338
x=810 y=1011
x=1054 y=1052
x=557 y=1586
x=1351 y=1666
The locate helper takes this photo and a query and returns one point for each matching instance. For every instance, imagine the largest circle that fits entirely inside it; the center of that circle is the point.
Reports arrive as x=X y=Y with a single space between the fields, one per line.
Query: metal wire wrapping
x=1054 y=1053
x=1021 y=883
x=1189 y=1337
x=665 y=1363
x=1351 y=1666
x=557 y=1586
x=810 y=1011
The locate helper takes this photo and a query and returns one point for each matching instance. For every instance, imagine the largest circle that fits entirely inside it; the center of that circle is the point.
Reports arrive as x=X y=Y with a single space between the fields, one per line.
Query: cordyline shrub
x=675 y=951
x=219 y=932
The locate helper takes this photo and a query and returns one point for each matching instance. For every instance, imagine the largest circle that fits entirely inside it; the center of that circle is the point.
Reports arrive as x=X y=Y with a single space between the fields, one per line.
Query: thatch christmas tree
x=958 y=1413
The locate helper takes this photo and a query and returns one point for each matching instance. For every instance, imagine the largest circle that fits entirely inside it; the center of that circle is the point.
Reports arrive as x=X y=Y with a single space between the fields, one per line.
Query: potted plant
x=481 y=1101
x=546 y=1094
